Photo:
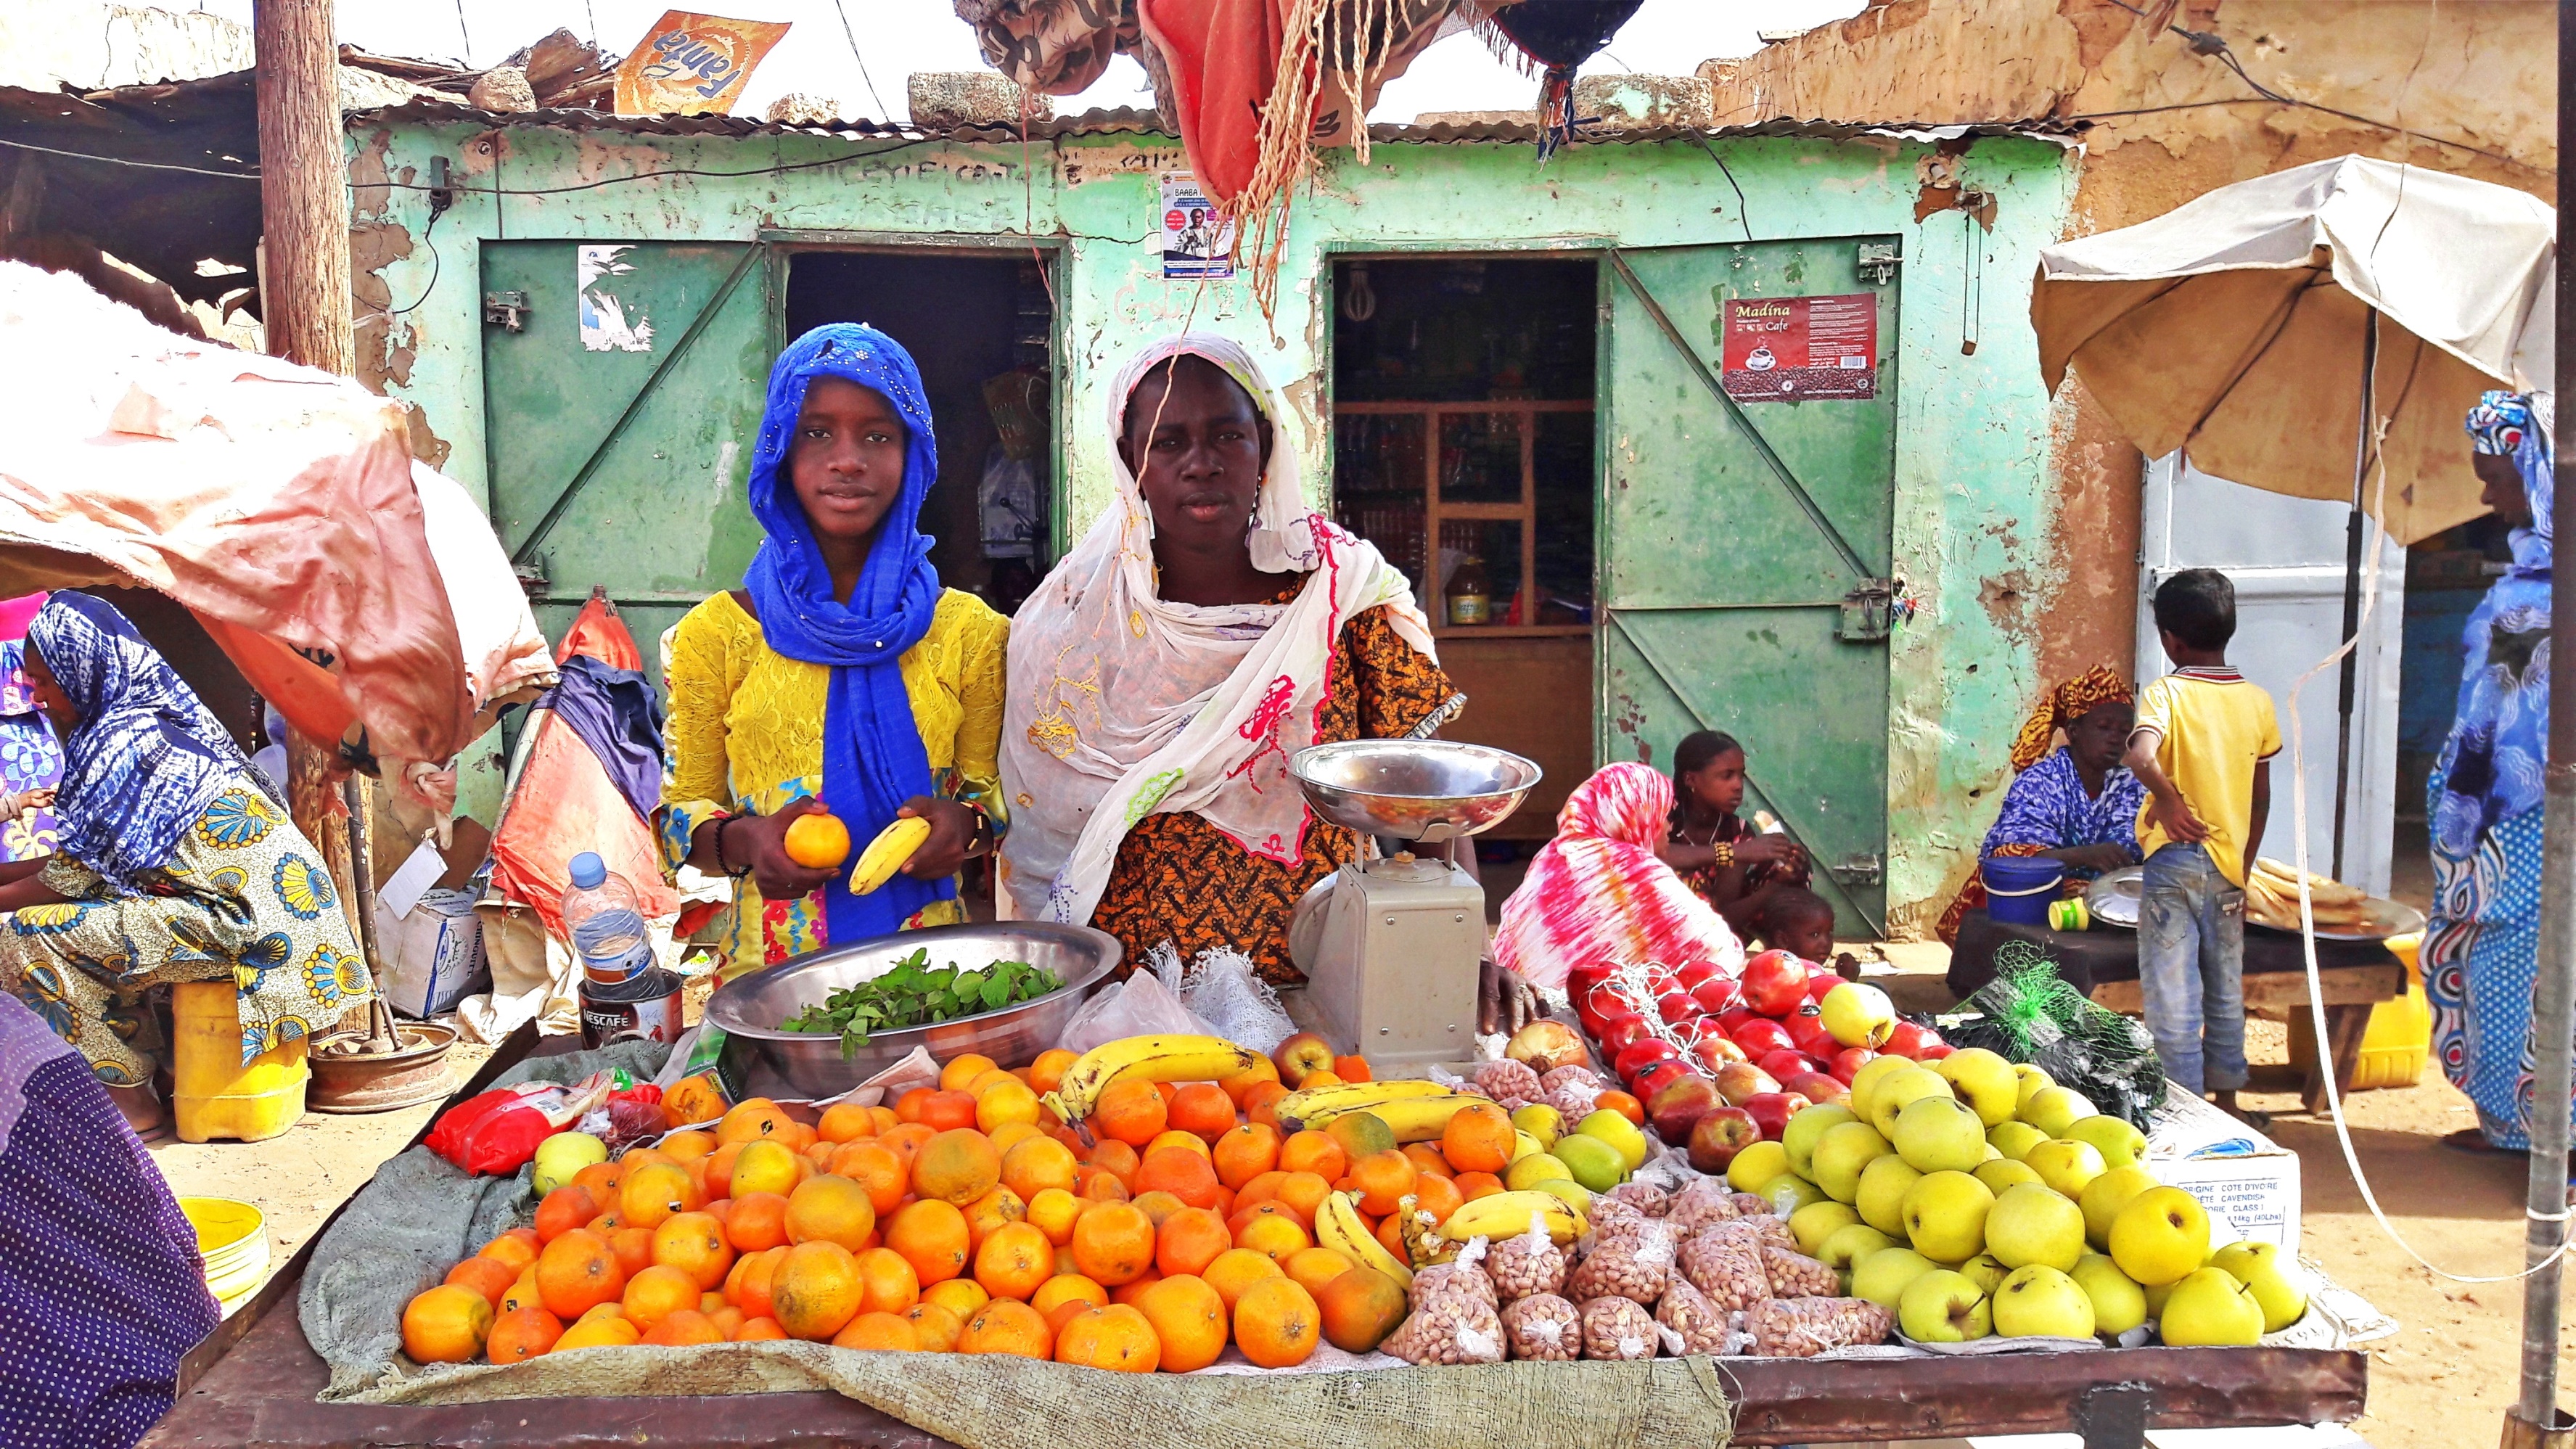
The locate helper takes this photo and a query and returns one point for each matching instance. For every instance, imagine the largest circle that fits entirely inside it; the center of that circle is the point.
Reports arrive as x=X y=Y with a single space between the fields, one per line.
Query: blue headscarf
x=2491 y=766
x=873 y=758
x=147 y=754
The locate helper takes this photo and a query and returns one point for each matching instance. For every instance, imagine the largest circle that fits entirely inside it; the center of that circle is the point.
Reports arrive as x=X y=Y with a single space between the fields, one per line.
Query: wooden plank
x=2278 y=991
x=1523 y=695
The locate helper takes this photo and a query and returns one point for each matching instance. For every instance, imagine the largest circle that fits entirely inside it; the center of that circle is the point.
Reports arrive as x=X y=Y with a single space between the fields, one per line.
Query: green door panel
x=658 y=518
x=1726 y=554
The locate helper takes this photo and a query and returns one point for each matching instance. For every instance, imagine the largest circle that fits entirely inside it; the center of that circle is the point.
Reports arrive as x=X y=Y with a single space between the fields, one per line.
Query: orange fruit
x=688 y=1146
x=1115 y=1157
x=1189 y=1320
x=907 y=1107
x=1052 y=1212
x=816 y=1290
x=1437 y=1196
x=1174 y=1137
x=1203 y=1110
x=887 y=1283
x=692 y=1099
x=831 y=1210
x=1262 y=1187
x=517 y=1247
x=1236 y=1269
x=1066 y=1312
x=957 y=1166
x=1305 y=1192
x=935 y=1326
x=1261 y=1101
x=522 y=1294
x=563 y=1210
x=1473 y=1185
x=759 y=1330
x=1008 y=1102
x=932 y=1237
x=1261 y=1070
x=1324 y=1078
x=994 y=1209
x=750 y=1120
x=1276 y=1322
x=715 y=1170
x=656 y=1294
x=1623 y=1104
x=522 y=1334
x=1068 y=1288
x=1035 y=1164
x=1134 y=1288
x=946 y=1111
x=904 y=1140
x=1382 y=1179
x=601 y=1180
x=817 y=841
x=1478 y=1139
x=756 y=1222
x=884 y=1332
x=1064 y=1264
x=1047 y=1072
x=489 y=1277
x=1244 y=1153
x=1312 y=1268
x=634 y=1249
x=654 y=1192
x=695 y=1244
x=1186 y=1175
x=1117 y=1338
x=577 y=1272
x=762 y=1166
x=1131 y=1112
x=1014 y=1261
x=751 y=1291
x=1359 y=1309
x=961 y=1296
x=1007 y=1325
x=1159 y=1206
x=727 y=1319
x=1353 y=1069
x=684 y=1329
x=446 y=1324
x=1246 y=1217
x=1098 y=1184
x=1277 y=1236
x=1113 y=1243
x=598 y=1333
x=1012 y=1134
x=1427 y=1160
x=1189 y=1240
x=874 y=1166
x=964 y=1068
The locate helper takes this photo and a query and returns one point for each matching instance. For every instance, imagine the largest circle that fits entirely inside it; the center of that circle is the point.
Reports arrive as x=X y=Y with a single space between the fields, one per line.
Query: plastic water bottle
x=606 y=924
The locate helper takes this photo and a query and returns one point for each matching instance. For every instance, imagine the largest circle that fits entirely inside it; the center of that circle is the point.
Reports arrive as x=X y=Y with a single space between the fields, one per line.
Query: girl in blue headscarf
x=2481 y=948
x=841 y=676
x=173 y=863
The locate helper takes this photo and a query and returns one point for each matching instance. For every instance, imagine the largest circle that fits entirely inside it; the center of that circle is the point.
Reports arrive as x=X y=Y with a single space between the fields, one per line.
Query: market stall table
x=2103 y=964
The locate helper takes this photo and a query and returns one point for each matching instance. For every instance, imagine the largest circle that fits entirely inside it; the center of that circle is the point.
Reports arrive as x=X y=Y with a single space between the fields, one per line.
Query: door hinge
x=508 y=309
x=1869 y=611
x=1859 y=868
x=1878 y=262
x=532 y=576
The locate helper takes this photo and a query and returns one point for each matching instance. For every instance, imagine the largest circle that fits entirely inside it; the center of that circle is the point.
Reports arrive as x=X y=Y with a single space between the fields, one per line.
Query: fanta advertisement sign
x=690 y=64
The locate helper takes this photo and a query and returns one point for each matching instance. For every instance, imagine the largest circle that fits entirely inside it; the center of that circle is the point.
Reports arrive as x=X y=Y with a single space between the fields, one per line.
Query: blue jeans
x=2191 y=968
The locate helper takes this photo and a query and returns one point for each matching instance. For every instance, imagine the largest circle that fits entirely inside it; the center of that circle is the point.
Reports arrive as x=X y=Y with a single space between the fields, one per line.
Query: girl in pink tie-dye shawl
x=1596 y=893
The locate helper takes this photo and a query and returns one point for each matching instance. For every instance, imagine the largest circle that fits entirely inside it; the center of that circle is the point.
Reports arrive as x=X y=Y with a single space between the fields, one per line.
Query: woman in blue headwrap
x=2481 y=949
x=841 y=676
x=172 y=863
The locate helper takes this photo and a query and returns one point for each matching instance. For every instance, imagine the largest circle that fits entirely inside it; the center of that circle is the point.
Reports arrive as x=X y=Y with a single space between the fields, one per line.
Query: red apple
x=1806 y=1029
x=1600 y=1002
x=1300 y=1054
x=1691 y=973
x=1719 y=1134
x=1678 y=1104
x=1661 y=980
x=1760 y=1038
x=1816 y=1087
x=1734 y=1016
x=1676 y=1006
x=1935 y=1052
x=1846 y=1064
x=1718 y=993
x=1771 y=1111
x=1638 y=1055
x=1715 y=1050
x=1775 y=982
x=1582 y=978
x=1785 y=1065
x=1618 y=1031
x=1819 y=981
x=1737 y=1081
x=1909 y=1040
x=1657 y=1076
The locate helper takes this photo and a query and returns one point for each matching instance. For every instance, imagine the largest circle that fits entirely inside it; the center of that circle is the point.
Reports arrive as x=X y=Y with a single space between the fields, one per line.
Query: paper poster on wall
x=1196 y=241
x=609 y=323
x=691 y=65
x=1783 y=349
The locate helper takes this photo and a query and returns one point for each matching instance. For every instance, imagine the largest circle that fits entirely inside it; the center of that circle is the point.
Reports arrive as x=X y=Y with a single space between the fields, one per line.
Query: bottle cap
x=588 y=870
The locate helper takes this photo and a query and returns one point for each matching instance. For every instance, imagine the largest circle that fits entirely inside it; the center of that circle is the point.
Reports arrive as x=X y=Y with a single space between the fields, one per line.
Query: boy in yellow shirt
x=2203 y=746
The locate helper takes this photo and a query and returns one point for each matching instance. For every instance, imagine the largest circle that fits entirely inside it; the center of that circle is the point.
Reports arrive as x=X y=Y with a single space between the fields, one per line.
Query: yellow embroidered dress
x=745 y=734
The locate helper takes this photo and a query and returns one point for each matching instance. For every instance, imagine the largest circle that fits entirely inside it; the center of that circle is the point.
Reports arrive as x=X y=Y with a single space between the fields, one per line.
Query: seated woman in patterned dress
x=174 y=863
x=2077 y=805
x=1208 y=627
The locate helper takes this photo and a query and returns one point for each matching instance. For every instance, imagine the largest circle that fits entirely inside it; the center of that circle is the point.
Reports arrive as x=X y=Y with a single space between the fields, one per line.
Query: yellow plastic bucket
x=214 y=1093
x=2399 y=1038
x=232 y=1237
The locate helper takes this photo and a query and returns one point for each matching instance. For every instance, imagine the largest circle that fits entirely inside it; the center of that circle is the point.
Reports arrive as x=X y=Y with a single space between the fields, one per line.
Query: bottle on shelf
x=1470 y=595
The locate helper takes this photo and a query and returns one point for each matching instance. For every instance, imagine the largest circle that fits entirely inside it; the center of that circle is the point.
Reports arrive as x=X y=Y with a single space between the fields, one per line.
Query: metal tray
x=2112 y=898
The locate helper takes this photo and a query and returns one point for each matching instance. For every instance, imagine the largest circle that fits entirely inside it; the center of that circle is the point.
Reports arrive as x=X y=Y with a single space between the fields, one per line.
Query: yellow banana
x=1145 y=1058
x=1419 y=1231
x=1421 y=1119
x=1501 y=1215
x=1318 y=1106
x=1339 y=1226
x=886 y=854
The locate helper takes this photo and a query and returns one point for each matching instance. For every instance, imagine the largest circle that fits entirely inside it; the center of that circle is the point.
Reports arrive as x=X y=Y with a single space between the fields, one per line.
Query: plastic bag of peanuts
x=1618 y=1328
x=1645 y=1197
x=1629 y=1259
x=1544 y=1326
x=1509 y=1082
x=1795 y=1275
x=1699 y=1325
x=1709 y=1201
x=1528 y=1264
x=1453 y=1319
x=1726 y=1267
x=1805 y=1327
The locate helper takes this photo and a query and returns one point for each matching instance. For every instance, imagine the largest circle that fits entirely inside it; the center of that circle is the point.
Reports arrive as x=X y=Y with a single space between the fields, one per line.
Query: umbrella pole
x=2352 y=532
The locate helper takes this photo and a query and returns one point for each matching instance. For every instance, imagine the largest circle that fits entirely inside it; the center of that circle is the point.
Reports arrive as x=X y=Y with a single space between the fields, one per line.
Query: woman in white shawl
x=1207 y=628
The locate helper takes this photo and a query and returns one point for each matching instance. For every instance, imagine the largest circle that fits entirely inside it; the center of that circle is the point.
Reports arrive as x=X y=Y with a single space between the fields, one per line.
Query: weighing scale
x=1391 y=945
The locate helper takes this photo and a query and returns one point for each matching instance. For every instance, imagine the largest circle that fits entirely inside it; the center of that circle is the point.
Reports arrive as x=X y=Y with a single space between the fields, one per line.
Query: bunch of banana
x=1149 y=1059
x=2272 y=899
x=1417 y=1108
x=886 y=854
x=1497 y=1216
x=1339 y=1226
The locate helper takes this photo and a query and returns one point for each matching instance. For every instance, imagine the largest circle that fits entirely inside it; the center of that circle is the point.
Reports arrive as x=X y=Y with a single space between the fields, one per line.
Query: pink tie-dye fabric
x=1597 y=892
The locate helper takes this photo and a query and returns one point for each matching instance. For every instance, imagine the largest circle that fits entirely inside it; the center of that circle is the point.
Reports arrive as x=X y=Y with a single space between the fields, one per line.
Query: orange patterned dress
x=1182 y=880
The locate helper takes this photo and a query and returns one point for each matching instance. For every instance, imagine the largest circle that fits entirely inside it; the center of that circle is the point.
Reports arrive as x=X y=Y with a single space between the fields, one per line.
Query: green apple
x=2120 y=1144
x=2118 y=1304
x=1620 y=1133
x=562 y=1155
x=1864 y=1083
x=1817 y=1221
x=1945 y=1216
x=1530 y=1171
x=1526 y=1144
x=1789 y=1192
x=2002 y=1173
x=2012 y=1139
x=2067 y=1167
x=2028 y=1078
x=1757 y=1164
x=2039 y=1301
x=1939 y=1134
x=1882 y=1277
x=2054 y=1109
x=1590 y=1161
x=1843 y=1251
x=2279 y=1284
x=1857 y=1015
x=1542 y=1122
x=1842 y=1154
x=1983 y=1080
x=2031 y=1224
x=2103 y=1198
x=1986 y=1272
x=1989 y=1152
x=2210 y=1309
x=1573 y=1194
x=1881 y=1194
x=1799 y=1138
x=2160 y=1237
x=1944 y=1307
x=2155 y=1295
x=1896 y=1091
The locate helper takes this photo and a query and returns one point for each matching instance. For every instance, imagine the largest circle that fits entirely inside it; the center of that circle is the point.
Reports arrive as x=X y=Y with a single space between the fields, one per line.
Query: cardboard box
x=434 y=954
x=2248 y=1182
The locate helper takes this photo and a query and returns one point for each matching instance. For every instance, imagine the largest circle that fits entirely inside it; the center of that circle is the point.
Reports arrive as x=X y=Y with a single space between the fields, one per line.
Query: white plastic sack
x=1138 y=1006
x=1223 y=990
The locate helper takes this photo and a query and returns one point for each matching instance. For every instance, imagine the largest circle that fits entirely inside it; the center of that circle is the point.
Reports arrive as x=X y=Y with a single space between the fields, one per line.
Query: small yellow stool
x=214 y=1093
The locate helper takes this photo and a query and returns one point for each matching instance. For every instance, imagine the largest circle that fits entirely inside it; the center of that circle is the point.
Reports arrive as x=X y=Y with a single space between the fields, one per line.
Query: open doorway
x=1463 y=447
x=981 y=325
x=2447 y=576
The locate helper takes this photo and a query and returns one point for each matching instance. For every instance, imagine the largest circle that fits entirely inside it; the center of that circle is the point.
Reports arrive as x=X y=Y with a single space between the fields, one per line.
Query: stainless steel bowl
x=1428 y=790
x=774 y=1062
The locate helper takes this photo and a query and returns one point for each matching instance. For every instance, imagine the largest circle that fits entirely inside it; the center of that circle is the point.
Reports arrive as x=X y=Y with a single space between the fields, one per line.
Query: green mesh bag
x=2028 y=1014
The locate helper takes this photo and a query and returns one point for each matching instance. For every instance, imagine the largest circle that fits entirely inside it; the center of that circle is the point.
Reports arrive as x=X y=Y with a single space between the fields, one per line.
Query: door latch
x=1869 y=611
x=508 y=309
x=1859 y=868
x=1878 y=262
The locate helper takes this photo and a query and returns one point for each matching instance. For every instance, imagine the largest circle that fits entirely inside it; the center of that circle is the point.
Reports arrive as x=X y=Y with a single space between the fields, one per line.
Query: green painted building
x=1682 y=429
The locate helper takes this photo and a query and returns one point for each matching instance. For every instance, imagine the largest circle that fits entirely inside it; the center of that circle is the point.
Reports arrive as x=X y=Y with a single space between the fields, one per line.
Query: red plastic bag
x=497 y=1132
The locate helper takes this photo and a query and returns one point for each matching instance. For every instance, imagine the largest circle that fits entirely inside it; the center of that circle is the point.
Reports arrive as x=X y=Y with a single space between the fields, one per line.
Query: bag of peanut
x=1805 y=1327
x=1544 y=1326
x=1617 y=1328
x=1725 y=1266
x=1629 y=1259
x=1795 y=1275
x=1509 y=1082
x=1709 y=1200
x=1700 y=1324
x=1530 y=1263
x=1453 y=1319
x=1645 y=1197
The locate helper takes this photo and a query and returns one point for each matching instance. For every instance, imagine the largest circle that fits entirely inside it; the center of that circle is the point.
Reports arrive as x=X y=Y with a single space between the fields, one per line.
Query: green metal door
x=622 y=392
x=1745 y=543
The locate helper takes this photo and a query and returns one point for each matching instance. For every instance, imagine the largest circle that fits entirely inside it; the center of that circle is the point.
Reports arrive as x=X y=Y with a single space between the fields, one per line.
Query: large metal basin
x=806 y=1065
x=1427 y=790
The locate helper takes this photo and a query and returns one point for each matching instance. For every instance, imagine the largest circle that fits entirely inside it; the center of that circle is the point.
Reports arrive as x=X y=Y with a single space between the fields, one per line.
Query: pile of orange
x=966 y=1218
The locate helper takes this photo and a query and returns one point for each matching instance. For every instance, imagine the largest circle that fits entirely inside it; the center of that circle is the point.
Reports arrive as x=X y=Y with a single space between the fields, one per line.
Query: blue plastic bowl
x=2019 y=888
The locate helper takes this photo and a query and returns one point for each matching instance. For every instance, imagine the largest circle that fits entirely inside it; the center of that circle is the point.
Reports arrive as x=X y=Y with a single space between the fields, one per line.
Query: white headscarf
x=1122 y=704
